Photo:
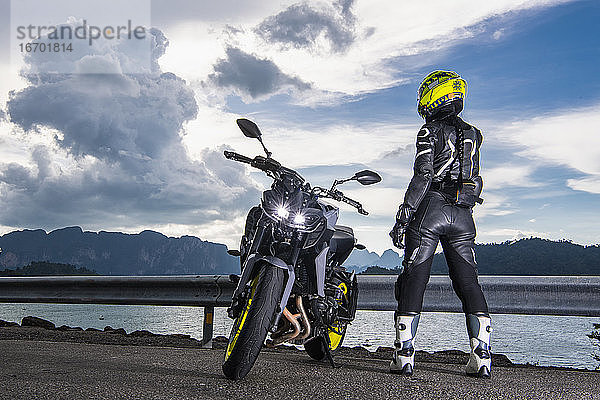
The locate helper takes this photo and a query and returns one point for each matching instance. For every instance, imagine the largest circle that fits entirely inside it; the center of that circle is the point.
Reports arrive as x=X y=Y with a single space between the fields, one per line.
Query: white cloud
x=172 y=12
x=107 y=149
x=194 y=47
x=382 y=30
x=494 y=205
x=302 y=146
x=378 y=201
x=223 y=231
x=375 y=237
x=590 y=184
x=564 y=138
x=500 y=234
x=404 y=28
x=10 y=81
x=507 y=176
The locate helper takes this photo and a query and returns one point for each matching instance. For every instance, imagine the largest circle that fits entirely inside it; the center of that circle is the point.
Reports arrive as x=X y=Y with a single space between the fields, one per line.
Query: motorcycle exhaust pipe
x=279 y=332
x=278 y=338
x=293 y=319
x=304 y=319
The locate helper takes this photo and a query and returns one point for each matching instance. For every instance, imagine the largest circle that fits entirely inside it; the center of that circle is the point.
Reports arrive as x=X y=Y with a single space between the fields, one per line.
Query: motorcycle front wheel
x=251 y=327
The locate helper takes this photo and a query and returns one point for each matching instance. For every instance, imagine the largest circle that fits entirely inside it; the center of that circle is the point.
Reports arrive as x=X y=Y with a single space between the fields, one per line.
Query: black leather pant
x=438 y=219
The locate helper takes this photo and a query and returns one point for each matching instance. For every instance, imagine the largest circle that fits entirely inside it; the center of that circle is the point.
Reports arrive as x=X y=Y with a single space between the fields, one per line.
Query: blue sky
x=332 y=85
x=542 y=61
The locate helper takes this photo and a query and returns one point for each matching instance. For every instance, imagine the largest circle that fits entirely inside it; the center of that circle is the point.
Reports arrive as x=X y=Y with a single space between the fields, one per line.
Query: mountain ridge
x=153 y=253
x=526 y=256
x=117 y=253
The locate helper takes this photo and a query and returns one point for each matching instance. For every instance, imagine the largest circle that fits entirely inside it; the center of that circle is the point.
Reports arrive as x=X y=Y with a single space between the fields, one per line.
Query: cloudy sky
x=332 y=86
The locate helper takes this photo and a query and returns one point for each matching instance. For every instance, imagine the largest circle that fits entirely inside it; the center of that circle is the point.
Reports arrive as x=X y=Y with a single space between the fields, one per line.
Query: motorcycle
x=292 y=283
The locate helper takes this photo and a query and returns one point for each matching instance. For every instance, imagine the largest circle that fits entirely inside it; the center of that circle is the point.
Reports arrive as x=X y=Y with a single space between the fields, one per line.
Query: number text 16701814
x=41 y=47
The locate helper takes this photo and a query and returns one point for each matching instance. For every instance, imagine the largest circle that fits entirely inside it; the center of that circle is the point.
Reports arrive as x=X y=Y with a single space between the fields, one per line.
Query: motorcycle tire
x=251 y=327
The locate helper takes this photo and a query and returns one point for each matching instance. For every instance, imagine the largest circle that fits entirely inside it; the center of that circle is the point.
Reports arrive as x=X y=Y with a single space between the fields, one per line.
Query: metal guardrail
x=547 y=295
x=182 y=290
x=208 y=291
x=533 y=295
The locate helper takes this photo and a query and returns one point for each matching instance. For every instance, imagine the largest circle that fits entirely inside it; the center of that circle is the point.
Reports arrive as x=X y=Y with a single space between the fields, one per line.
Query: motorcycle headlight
x=283 y=212
x=307 y=220
x=299 y=219
x=279 y=213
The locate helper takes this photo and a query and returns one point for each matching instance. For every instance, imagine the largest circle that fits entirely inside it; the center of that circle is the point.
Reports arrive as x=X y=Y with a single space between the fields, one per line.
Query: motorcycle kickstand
x=328 y=353
x=331 y=361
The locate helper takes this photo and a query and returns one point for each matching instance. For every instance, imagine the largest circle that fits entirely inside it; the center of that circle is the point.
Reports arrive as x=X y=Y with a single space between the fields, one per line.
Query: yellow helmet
x=439 y=89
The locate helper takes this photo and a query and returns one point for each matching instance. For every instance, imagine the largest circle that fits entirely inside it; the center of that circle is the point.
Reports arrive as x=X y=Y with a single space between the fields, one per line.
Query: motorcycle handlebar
x=259 y=162
x=232 y=155
x=269 y=164
x=265 y=164
x=339 y=196
x=355 y=204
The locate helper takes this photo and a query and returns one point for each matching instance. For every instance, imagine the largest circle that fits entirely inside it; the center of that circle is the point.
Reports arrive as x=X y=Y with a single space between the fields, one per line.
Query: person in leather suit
x=437 y=207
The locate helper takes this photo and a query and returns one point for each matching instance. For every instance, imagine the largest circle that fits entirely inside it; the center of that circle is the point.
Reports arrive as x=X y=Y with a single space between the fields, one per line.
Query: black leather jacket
x=437 y=167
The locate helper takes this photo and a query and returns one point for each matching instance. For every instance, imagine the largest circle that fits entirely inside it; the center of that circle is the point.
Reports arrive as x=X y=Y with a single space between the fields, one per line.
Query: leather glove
x=397 y=234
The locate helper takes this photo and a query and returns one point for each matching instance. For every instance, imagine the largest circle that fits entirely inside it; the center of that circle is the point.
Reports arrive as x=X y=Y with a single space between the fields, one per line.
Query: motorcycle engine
x=328 y=309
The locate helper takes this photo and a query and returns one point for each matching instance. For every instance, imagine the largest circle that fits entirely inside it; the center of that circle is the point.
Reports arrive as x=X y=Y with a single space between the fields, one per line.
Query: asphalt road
x=62 y=370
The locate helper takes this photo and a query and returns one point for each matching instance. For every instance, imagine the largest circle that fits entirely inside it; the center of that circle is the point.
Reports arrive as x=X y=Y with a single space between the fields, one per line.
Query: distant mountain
x=360 y=260
x=531 y=256
x=152 y=253
x=390 y=258
x=115 y=253
x=45 y=268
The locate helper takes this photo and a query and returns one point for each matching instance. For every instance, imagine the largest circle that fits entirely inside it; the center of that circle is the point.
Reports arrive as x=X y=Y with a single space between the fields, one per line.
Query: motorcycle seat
x=346 y=229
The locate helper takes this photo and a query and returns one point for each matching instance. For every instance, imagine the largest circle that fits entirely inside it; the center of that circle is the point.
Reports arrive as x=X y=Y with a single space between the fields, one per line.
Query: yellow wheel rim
x=334 y=339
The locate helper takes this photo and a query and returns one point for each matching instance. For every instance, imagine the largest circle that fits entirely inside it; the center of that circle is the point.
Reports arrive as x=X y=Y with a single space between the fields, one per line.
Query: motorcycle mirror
x=233 y=252
x=249 y=128
x=367 y=177
x=359 y=246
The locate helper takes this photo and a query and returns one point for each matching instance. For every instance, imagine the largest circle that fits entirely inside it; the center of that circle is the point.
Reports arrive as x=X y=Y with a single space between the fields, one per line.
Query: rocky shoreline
x=38 y=329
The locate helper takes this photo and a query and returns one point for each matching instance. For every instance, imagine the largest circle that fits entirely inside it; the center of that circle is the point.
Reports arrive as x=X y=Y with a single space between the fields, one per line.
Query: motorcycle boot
x=480 y=360
x=404 y=355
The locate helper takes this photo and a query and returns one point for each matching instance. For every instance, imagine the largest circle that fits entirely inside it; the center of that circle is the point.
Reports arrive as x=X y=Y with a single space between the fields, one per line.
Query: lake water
x=542 y=340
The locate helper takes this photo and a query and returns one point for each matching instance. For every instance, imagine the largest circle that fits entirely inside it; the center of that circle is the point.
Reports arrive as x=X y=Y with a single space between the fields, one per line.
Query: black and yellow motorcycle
x=292 y=283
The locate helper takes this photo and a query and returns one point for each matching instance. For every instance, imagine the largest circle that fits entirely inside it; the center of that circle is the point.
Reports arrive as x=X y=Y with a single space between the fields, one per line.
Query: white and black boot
x=404 y=354
x=480 y=360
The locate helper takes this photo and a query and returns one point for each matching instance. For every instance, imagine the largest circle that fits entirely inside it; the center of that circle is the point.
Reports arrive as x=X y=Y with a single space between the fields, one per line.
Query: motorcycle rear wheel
x=316 y=347
x=251 y=327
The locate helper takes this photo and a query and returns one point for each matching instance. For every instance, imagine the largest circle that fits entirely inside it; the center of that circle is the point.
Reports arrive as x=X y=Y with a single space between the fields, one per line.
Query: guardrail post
x=207 y=327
